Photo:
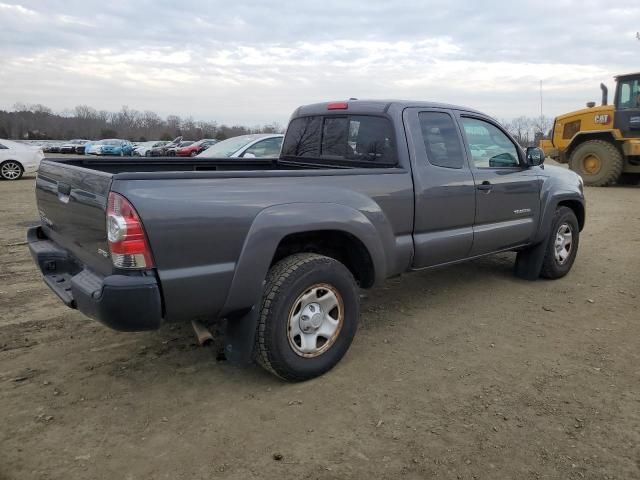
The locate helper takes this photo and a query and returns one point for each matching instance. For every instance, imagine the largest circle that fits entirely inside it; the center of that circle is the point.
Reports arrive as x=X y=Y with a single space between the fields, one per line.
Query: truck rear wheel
x=309 y=316
x=598 y=162
x=562 y=245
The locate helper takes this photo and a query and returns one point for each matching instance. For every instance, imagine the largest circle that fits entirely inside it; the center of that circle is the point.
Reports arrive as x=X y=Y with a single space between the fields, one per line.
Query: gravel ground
x=462 y=373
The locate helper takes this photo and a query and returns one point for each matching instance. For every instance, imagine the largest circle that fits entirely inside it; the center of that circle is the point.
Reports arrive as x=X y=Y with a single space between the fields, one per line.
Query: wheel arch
x=338 y=244
x=578 y=210
x=286 y=229
x=551 y=205
x=582 y=137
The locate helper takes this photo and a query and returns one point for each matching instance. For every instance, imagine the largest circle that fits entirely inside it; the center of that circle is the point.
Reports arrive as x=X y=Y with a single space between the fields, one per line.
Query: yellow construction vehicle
x=601 y=144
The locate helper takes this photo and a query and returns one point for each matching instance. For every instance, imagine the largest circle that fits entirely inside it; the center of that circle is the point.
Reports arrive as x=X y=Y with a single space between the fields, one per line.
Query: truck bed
x=166 y=164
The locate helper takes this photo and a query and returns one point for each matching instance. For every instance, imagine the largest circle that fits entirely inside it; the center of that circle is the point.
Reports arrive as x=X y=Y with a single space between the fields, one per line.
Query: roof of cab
x=373 y=106
x=626 y=75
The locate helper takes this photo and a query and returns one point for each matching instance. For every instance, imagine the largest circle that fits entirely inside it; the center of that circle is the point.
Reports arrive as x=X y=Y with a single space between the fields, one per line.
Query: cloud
x=256 y=63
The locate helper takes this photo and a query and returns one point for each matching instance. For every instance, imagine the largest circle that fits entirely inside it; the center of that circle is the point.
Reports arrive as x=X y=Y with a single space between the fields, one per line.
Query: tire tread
x=548 y=265
x=276 y=278
x=614 y=166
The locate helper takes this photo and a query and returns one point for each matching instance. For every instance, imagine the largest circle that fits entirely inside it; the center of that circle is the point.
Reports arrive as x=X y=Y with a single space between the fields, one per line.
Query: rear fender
x=272 y=224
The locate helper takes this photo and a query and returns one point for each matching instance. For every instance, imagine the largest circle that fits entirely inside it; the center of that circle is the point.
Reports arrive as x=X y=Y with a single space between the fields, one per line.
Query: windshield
x=228 y=147
x=110 y=142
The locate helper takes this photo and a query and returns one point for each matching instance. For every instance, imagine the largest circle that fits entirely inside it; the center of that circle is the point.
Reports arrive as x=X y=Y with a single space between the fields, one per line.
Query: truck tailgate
x=72 y=203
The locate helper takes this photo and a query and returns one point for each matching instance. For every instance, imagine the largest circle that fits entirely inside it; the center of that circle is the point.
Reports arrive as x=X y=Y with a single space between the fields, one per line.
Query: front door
x=507 y=190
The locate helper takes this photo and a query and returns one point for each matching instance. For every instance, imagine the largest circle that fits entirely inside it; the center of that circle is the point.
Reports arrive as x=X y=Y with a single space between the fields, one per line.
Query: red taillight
x=338 y=106
x=127 y=241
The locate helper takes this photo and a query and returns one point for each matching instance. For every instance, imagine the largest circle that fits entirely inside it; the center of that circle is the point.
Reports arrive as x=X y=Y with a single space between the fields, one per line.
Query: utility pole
x=541 y=99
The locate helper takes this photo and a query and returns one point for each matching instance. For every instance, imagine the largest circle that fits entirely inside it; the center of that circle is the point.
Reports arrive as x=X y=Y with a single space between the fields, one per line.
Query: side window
x=441 y=140
x=265 y=148
x=625 y=95
x=629 y=94
x=490 y=147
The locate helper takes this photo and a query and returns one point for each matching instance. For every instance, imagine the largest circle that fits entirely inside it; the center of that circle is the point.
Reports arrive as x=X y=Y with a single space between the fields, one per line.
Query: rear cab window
x=351 y=140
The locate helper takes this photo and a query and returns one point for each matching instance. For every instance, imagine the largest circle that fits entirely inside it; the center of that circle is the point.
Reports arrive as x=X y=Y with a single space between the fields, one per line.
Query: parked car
x=171 y=150
x=81 y=149
x=88 y=148
x=17 y=159
x=51 y=147
x=260 y=145
x=362 y=191
x=112 y=146
x=195 y=148
x=161 y=151
x=70 y=147
x=144 y=149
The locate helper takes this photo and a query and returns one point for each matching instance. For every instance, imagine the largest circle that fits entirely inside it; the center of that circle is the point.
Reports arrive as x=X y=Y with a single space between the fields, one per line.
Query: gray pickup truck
x=277 y=250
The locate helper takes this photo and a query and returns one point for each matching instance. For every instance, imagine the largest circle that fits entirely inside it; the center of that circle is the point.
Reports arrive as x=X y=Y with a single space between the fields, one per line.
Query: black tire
x=553 y=268
x=286 y=282
x=609 y=157
x=11 y=170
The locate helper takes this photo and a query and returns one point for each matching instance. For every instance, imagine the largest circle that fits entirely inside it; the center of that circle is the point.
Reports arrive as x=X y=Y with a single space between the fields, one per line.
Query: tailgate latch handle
x=64 y=190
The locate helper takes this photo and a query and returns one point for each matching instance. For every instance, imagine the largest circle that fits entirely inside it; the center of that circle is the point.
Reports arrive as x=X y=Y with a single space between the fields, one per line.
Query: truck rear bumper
x=122 y=302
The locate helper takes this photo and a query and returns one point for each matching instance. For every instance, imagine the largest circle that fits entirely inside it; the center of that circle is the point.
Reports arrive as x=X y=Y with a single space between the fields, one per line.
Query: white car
x=258 y=145
x=144 y=149
x=17 y=159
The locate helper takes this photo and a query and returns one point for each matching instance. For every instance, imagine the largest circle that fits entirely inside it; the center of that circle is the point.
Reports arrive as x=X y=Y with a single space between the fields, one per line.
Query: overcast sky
x=254 y=62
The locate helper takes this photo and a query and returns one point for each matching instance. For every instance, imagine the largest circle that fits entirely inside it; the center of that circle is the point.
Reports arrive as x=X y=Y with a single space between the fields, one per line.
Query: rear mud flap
x=240 y=337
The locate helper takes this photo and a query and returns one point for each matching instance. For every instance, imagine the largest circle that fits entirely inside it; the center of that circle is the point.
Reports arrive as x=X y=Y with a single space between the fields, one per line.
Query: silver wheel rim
x=11 y=170
x=563 y=243
x=315 y=320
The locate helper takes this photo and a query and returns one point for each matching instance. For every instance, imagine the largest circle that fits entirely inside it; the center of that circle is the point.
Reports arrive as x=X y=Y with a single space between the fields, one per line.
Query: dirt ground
x=461 y=373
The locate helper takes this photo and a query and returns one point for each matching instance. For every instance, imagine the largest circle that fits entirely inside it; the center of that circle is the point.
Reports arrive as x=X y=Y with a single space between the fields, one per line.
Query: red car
x=195 y=148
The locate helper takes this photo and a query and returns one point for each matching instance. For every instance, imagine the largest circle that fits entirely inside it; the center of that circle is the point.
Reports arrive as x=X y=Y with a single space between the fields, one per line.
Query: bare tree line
x=39 y=122
x=528 y=130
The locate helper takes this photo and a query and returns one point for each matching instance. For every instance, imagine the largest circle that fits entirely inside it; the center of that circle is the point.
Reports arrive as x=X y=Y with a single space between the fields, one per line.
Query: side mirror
x=535 y=156
x=249 y=155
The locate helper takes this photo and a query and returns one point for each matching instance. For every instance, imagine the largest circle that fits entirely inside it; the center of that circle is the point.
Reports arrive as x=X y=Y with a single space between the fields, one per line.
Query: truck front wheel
x=598 y=162
x=562 y=244
x=309 y=316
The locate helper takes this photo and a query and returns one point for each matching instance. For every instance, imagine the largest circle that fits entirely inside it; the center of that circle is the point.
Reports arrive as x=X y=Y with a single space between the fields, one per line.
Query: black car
x=51 y=148
x=161 y=150
x=72 y=145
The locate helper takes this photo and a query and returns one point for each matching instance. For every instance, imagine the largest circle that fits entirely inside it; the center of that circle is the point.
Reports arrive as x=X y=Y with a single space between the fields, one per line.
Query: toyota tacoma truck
x=277 y=250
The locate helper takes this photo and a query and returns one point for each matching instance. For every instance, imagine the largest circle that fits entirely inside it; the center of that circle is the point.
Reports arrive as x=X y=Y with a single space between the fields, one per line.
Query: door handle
x=485 y=186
